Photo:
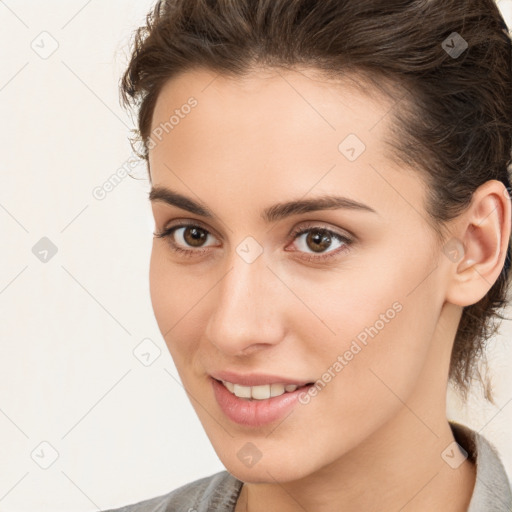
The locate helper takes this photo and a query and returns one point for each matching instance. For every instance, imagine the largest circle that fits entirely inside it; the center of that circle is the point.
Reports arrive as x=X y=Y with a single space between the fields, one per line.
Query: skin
x=380 y=424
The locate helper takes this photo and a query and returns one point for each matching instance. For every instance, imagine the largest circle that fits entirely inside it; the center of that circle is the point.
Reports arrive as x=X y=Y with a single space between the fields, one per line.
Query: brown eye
x=194 y=236
x=318 y=240
x=187 y=238
x=192 y=239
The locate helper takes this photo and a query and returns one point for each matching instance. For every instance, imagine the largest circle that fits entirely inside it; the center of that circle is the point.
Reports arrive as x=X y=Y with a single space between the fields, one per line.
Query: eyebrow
x=271 y=214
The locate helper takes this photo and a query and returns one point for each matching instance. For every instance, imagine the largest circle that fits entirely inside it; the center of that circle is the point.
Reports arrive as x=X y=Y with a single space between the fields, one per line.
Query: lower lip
x=255 y=413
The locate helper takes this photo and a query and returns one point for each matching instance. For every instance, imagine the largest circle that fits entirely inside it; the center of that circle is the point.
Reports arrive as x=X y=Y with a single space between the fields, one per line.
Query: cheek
x=171 y=298
x=372 y=332
x=370 y=366
x=163 y=295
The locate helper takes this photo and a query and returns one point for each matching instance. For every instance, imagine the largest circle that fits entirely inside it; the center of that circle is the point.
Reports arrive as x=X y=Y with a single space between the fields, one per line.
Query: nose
x=246 y=309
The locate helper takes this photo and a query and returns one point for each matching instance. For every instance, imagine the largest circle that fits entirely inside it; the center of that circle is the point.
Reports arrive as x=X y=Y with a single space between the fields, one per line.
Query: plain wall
x=120 y=431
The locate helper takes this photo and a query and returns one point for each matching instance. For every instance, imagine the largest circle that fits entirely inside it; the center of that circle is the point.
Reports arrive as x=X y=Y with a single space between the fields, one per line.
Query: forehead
x=272 y=90
x=293 y=129
x=266 y=110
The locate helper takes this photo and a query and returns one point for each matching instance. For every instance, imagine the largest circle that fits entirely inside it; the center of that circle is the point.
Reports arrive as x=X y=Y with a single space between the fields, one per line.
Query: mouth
x=259 y=405
x=263 y=391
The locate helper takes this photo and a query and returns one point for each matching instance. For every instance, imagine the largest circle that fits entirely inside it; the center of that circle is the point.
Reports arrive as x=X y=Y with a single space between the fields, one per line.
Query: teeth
x=277 y=389
x=229 y=385
x=259 y=392
x=242 y=391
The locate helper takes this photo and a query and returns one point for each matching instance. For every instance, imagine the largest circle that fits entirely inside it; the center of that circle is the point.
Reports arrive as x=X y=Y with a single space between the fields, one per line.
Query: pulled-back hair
x=452 y=120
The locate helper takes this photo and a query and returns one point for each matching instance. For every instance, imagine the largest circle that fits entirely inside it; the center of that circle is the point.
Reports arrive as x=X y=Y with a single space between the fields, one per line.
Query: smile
x=259 y=405
x=262 y=392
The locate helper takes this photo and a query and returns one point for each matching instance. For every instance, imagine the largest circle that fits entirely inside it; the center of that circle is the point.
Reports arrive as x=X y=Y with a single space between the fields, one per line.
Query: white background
x=121 y=431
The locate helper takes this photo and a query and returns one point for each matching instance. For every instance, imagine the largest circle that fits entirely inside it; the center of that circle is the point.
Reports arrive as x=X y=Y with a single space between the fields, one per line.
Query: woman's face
x=279 y=285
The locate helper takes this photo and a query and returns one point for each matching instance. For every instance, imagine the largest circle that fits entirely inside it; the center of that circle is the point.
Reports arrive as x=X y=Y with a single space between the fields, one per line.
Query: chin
x=269 y=471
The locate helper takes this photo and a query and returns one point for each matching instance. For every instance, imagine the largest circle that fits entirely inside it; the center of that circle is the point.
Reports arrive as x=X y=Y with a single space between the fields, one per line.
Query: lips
x=256 y=406
x=257 y=379
x=263 y=392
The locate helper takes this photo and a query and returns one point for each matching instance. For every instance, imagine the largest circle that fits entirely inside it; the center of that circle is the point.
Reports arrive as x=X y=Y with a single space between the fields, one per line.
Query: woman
x=332 y=226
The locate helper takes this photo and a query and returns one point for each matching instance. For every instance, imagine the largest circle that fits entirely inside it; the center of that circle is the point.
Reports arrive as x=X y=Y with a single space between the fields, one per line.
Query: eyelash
x=296 y=233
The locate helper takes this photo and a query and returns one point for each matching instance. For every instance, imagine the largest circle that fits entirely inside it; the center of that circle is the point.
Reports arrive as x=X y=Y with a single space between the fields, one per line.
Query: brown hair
x=454 y=121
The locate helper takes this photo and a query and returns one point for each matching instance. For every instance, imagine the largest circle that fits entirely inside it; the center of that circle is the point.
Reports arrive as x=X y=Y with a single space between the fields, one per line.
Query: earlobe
x=484 y=232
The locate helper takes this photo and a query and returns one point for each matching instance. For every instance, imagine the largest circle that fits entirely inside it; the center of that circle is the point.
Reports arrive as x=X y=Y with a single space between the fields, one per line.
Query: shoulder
x=217 y=492
x=492 y=489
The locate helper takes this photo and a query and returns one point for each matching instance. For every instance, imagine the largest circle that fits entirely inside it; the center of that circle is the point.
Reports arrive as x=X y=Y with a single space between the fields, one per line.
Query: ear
x=484 y=232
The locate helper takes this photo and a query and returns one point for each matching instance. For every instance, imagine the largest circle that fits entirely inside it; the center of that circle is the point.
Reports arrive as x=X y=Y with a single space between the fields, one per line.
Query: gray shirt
x=219 y=492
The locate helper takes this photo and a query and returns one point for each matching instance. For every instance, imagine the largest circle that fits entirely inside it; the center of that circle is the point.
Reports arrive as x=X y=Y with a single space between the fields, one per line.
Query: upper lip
x=255 y=379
